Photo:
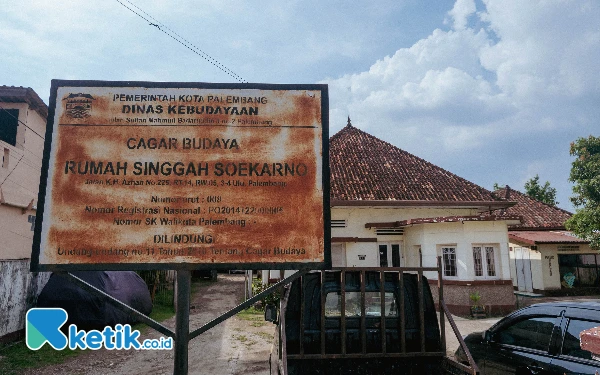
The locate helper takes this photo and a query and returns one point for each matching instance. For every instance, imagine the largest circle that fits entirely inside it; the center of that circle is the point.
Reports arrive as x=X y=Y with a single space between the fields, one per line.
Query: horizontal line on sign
x=201 y=125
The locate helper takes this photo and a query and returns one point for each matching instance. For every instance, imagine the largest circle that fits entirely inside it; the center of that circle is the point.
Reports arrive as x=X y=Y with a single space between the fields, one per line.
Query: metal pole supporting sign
x=182 y=322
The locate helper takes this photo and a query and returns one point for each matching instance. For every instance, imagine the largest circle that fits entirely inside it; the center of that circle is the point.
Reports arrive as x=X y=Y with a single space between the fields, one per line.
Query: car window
x=572 y=344
x=333 y=304
x=533 y=333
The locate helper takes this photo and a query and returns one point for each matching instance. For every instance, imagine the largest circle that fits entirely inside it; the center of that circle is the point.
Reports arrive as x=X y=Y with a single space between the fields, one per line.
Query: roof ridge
x=383 y=171
x=535 y=200
x=349 y=126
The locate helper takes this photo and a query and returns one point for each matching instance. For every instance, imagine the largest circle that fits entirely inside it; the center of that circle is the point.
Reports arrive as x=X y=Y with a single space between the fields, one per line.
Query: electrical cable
x=25 y=188
x=11 y=115
x=12 y=170
x=208 y=57
x=36 y=167
x=160 y=26
x=19 y=234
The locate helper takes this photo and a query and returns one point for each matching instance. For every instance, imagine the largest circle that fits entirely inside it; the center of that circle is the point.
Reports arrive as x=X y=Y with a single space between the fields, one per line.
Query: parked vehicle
x=382 y=321
x=539 y=339
x=89 y=311
x=208 y=274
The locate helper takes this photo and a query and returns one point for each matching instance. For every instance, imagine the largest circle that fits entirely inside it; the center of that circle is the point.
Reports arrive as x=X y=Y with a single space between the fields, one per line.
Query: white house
x=22 y=126
x=391 y=208
x=545 y=258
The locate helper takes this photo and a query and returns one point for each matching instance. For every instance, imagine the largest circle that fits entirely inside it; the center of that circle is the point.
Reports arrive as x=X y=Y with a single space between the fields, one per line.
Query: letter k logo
x=43 y=325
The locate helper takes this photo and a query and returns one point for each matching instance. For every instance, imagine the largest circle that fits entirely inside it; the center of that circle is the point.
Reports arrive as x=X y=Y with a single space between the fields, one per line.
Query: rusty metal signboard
x=143 y=175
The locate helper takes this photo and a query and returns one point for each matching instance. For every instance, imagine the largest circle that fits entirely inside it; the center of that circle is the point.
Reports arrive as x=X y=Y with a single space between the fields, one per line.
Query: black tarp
x=88 y=311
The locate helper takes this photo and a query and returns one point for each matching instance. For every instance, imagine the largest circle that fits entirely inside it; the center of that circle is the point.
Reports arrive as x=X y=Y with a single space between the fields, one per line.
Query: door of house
x=383 y=255
x=523 y=268
x=395 y=255
x=389 y=250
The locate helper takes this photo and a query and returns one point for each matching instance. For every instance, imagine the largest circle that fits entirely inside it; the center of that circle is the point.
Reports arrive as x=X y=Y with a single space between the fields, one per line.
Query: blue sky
x=492 y=90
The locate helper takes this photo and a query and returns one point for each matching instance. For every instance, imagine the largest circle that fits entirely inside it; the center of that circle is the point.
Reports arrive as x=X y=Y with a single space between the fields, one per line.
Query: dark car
x=539 y=339
x=209 y=274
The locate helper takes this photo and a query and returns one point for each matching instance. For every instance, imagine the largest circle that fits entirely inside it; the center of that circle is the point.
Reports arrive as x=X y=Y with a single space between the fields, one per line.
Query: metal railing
x=396 y=276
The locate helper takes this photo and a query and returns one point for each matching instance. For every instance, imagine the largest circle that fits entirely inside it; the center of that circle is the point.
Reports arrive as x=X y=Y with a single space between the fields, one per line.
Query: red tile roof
x=364 y=167
x=544 y=237
x=536 y=215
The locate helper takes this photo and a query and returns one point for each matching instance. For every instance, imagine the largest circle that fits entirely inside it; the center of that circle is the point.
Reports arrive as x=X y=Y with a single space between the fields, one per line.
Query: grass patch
x=265 y=335
x=251 y=314
x=17 y=357
x=241 y=338
x=244 y=340
x=160 y=311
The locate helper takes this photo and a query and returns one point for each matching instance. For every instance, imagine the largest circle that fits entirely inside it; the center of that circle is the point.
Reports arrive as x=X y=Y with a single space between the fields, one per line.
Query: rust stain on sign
x=142 y=175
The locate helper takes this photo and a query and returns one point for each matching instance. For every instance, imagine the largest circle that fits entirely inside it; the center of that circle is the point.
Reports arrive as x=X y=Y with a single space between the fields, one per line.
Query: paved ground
x=465 y=327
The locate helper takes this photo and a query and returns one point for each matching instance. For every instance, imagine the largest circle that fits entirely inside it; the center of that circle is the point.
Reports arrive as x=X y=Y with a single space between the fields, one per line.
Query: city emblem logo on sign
x=79 y=105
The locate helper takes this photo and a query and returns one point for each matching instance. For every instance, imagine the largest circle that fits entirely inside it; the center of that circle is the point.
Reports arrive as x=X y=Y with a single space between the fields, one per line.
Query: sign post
x=141 y=175
x=184 y=176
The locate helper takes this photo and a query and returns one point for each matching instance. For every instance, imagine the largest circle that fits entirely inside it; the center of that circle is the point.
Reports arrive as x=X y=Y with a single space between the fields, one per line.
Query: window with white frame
x=484 y=261
x=449 y=258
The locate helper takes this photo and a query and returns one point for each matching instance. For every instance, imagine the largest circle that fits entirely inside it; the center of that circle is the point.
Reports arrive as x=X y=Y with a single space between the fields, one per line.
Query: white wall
x=21 y=176
x=20 y=172
x=19 y=289
x=428 y=237
x=544 y=260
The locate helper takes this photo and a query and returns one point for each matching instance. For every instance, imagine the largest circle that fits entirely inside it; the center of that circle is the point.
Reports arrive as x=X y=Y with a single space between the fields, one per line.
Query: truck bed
x=382 y=320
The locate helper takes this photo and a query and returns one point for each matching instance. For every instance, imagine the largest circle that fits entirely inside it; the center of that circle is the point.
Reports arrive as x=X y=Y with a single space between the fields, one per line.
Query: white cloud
x=546 y=48
x=440 y=76
x=514 y=93
x=488 y=89
x=460 y=13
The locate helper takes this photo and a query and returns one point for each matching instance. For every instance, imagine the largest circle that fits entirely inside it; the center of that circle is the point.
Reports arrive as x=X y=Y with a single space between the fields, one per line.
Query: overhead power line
x=16 y=118
x=12 y=170
x=165 y=29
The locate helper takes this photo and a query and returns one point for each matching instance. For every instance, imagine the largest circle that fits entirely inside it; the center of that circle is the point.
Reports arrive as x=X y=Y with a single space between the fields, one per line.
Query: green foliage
x=496 y=186
x=475 y=297
x=18 y=357
x=253 y=315
x=546 y=193
x=163 y=310
x=269 y=299
x=585 y=174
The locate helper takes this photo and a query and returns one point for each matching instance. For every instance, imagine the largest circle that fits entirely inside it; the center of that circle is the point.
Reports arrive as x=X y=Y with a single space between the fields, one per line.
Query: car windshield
x=333 y=304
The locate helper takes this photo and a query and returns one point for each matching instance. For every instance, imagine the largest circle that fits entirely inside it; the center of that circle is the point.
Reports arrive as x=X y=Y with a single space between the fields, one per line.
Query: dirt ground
x=236 y=346
x=465 y=327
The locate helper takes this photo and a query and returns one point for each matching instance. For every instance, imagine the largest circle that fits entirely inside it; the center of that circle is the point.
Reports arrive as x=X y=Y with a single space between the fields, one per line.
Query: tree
x=546 y=193
x=585 y=174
